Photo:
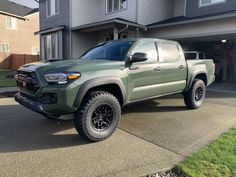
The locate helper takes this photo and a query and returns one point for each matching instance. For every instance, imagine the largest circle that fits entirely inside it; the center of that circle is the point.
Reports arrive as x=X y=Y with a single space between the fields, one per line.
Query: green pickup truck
x=109 y=76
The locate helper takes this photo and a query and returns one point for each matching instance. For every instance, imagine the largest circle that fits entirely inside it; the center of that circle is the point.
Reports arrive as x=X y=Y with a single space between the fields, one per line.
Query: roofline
x=109 y=21
x=50 y=30
x=31 y=13
x=17 y=16
x=193 y=21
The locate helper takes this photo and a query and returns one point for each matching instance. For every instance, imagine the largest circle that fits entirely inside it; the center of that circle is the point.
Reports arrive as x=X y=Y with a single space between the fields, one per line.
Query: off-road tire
x=191 y=99
x=83 y=118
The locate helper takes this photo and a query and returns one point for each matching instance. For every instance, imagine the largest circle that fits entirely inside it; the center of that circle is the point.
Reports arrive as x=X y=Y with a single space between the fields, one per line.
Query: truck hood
x=78 y=65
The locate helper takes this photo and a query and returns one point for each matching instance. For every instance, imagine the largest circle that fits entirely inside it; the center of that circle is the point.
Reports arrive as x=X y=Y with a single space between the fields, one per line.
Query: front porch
x=86 y=36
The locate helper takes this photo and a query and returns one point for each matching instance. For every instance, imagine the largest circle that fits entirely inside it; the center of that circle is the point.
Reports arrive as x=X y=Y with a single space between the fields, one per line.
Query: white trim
x=59 y=9
x=56 y=47
x=210 y=3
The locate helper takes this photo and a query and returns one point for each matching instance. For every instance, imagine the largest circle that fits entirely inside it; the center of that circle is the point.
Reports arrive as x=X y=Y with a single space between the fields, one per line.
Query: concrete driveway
x=152 y=136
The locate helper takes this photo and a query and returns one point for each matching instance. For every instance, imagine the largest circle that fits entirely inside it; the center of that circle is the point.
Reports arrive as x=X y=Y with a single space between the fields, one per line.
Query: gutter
x=5 y=13
x=193 y=21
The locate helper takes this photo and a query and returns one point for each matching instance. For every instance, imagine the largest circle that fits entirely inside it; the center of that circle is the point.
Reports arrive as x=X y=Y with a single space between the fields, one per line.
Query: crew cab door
x=143 y=77
x=173 y=67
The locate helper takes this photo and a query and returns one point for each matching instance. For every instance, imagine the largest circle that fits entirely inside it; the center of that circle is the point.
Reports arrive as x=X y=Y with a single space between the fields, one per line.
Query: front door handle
x=181 y=67
x=158 y=69
x=133 y=67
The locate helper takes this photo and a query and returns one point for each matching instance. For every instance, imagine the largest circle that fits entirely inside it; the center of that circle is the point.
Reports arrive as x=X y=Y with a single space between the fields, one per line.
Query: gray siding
x=179 y=8
x=152 y=11
x=194 y=10
x=89 y=11
x=127 y=14
x=62 y=19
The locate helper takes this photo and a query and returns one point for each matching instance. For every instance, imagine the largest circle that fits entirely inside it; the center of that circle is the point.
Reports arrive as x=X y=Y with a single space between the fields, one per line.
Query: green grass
x=6 y=82
x=218 y=159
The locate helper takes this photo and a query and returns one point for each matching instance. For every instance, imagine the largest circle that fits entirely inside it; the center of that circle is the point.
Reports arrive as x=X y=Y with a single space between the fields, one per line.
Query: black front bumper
x=32 y=105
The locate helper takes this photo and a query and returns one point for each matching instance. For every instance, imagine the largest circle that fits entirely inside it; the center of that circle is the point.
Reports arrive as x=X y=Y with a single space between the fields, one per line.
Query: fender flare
x=86 y=86
x=194 y=76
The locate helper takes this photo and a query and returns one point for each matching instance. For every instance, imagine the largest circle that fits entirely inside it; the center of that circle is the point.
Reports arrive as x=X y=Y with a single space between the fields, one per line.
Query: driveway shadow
x=23 y=130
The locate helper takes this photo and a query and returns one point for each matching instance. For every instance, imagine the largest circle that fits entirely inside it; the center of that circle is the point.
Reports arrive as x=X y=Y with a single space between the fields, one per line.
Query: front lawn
x=218 y=159
x=6 y=82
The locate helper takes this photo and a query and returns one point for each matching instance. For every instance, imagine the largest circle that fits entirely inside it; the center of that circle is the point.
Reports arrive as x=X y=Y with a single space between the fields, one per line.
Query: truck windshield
x=113 y=50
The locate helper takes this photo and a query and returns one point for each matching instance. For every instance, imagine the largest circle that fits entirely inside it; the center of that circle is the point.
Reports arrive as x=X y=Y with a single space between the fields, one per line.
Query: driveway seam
x=152 y=143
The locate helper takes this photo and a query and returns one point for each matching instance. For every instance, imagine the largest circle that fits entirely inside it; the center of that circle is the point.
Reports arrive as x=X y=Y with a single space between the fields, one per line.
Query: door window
x=147 y=47
x=169 y=52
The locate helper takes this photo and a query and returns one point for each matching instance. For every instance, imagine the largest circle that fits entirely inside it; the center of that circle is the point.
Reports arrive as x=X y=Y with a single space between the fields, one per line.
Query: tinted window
x=201 y=56
x=169 y=52
x=114 y=50
x=190 y=56
x=146 y=47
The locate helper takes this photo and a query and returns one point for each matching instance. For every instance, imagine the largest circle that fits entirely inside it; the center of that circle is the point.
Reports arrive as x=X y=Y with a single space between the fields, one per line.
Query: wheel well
x=203 y=77
x=114 y=89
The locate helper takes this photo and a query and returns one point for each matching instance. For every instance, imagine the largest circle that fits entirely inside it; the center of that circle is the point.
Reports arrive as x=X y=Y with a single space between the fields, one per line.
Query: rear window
x=190 y=56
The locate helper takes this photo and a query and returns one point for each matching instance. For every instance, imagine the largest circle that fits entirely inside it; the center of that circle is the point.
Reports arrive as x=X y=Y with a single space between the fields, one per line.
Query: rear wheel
x=195 y=96
x=98 y=116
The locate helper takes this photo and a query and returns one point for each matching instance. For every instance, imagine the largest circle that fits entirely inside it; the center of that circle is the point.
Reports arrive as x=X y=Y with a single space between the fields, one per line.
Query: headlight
x=60 y=78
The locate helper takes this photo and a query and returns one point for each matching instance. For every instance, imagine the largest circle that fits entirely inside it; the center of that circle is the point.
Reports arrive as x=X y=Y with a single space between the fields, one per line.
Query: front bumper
x=48 y=110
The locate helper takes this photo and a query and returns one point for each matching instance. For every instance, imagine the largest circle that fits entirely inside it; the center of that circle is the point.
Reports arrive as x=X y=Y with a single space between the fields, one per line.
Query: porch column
x=115 y=33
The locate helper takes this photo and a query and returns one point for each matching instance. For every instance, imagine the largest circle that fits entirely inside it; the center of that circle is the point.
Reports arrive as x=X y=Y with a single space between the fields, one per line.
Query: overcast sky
x=28 y=3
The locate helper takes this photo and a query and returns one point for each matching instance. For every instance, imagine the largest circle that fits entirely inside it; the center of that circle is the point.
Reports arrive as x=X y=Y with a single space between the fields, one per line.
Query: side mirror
x=139 y=57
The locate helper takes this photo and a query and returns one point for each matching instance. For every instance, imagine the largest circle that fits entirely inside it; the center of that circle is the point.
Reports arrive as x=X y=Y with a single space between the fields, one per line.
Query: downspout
x=124 y=29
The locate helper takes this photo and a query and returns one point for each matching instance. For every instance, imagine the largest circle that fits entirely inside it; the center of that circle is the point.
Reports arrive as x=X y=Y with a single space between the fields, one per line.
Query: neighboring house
x=17 y=26
x=69 y=28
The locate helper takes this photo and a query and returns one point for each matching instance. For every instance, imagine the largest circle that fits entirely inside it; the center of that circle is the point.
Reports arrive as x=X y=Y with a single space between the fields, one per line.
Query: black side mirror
x=139 y=57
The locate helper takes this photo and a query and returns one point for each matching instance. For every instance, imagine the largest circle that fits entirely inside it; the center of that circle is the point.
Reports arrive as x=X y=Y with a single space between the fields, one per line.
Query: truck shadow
x=24 y=130
x=151 y=106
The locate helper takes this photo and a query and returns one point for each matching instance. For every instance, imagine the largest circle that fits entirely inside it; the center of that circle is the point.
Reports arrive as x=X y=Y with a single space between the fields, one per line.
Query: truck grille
x=27 y=81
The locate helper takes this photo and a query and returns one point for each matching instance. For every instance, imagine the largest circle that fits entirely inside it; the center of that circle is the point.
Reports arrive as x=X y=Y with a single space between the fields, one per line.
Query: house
x=17 y=26
x=69 y=28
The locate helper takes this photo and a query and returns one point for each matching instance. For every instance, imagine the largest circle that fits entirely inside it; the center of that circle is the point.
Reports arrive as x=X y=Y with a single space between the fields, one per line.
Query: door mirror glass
x=139 y=57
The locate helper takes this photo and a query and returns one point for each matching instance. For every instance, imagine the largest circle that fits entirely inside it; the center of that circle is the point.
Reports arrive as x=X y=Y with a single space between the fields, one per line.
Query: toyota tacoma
x=109 y=76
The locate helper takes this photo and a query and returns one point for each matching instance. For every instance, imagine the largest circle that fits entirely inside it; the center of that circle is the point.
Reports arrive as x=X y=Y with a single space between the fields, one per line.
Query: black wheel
x=98 y=116
x=195 y=96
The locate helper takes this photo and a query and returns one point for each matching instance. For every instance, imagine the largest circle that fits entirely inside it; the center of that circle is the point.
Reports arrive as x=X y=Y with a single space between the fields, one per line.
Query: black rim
x=102 y=117
x=199 y=94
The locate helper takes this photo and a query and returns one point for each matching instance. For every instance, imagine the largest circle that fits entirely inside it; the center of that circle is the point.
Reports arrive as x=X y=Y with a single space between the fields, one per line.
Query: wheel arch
x=199 y=75
x=112 y=85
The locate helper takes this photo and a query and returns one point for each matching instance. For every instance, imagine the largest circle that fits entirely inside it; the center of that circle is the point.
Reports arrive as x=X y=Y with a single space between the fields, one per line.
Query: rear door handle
x=181 y=67
x=158 y=69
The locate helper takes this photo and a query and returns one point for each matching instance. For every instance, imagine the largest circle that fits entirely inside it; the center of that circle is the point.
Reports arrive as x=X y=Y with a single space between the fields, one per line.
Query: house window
x=4 y=47
x=11 y=23
x=210 y=2
x=114 y=5
x=50 y=46
x=53 y=7
x=35 y=50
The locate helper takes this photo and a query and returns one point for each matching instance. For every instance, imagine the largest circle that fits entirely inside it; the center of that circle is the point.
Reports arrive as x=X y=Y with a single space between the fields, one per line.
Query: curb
x=8 y=90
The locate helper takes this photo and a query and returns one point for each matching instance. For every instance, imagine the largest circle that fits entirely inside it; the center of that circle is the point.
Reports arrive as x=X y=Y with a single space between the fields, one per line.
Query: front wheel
x=98 y=116
x=195 y=96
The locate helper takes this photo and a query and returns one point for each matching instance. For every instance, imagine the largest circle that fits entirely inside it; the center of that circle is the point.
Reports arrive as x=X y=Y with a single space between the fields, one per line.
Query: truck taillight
x=213 y=68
